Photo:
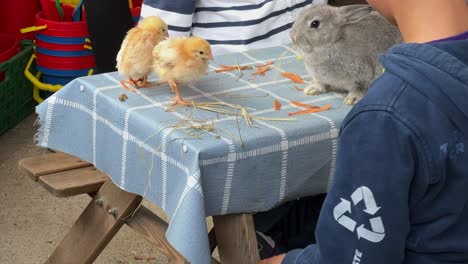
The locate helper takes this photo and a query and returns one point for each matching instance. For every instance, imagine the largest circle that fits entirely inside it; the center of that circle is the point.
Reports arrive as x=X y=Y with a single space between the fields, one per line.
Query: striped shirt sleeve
x=178 y=14
x=230 y=26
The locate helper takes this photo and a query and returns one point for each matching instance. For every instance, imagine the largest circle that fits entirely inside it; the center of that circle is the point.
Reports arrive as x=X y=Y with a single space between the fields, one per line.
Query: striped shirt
x=230 y=26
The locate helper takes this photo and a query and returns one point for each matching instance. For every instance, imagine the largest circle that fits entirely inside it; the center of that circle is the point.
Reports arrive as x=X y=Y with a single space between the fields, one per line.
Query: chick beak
x=211 y=57
x=164 y=33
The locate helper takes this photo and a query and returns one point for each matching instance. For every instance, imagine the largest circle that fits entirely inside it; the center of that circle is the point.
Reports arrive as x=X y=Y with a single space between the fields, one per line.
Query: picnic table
x=196 y=162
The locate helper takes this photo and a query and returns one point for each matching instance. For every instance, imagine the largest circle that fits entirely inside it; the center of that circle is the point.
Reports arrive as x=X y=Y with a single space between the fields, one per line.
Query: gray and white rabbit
x=340 y=47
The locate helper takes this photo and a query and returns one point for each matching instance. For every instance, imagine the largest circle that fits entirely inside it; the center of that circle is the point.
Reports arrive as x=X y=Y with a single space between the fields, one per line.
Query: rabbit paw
x=352 y=99
x=315 y=89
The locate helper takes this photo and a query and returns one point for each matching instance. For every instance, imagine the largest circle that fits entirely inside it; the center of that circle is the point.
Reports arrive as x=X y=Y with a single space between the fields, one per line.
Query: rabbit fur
x=340 y=47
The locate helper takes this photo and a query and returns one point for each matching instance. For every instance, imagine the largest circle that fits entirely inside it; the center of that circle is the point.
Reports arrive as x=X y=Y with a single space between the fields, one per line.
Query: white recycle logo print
x=377 y=232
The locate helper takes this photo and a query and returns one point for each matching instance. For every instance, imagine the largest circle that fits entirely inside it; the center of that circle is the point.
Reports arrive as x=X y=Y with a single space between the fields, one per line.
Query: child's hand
x=274 y=260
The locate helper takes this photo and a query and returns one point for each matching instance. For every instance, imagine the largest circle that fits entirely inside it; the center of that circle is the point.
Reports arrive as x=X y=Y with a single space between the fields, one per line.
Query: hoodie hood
x=439 y=71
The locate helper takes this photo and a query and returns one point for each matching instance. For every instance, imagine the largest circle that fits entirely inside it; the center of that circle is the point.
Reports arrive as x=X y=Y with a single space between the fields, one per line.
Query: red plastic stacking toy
x=135 y=10
x=17 y=14
x=9 y=47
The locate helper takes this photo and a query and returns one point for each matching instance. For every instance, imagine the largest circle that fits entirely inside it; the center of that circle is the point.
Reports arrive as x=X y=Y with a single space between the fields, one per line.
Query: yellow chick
x=134 y=60
x=181 y=60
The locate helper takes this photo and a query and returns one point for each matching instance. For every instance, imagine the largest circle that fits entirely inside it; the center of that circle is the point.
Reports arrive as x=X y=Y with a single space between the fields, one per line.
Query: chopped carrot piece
x=277 y=105
x=299 y=89
x=226 y=68
x=311 y=110
x=306 y=106
x=261 y=70
x=293 y=77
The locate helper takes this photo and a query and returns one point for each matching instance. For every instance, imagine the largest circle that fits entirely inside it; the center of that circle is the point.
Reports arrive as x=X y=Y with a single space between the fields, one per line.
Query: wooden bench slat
x=73 y=182
x=49 y=163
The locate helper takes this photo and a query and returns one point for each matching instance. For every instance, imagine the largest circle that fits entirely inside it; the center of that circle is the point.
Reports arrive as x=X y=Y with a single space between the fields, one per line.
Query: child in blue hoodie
x=400 y=191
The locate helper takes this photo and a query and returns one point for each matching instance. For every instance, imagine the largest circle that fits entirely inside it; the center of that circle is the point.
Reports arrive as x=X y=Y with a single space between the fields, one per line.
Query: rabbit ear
x=354 y=13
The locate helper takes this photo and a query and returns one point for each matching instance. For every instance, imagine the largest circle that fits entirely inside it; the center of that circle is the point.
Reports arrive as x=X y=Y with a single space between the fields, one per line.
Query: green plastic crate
x=16 y=92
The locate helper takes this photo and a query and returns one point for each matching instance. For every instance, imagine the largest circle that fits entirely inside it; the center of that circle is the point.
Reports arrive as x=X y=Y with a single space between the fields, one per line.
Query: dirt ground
x=33 y=222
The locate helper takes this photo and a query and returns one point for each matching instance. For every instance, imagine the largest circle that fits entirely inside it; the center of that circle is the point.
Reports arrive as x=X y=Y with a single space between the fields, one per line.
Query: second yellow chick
x=181 y=60
x=134 y=60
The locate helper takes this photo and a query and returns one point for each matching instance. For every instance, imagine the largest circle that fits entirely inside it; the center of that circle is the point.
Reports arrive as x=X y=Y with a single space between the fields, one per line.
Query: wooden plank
x=235 y=235
x=95 y=227
x=73 y=182
x=49 y=163
x=153 y=228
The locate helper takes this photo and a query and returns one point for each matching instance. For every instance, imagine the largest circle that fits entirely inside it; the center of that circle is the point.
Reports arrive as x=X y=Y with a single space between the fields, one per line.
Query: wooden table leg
x=237 y=242
x=96 y=226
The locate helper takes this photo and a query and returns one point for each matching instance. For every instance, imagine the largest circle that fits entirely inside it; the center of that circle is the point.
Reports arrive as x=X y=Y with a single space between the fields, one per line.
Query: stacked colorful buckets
x=63 y=51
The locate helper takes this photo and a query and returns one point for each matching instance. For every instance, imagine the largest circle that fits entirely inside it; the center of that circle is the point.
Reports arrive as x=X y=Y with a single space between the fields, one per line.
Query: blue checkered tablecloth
x=166 y=156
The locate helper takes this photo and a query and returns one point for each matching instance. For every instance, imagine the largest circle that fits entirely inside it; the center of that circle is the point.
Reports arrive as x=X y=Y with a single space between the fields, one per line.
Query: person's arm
x=178 y=14
x=365 y=218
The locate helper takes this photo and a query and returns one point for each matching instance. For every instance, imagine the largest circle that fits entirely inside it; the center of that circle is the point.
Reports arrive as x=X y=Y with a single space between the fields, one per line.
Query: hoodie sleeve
x=365 y=217
x=178 y=14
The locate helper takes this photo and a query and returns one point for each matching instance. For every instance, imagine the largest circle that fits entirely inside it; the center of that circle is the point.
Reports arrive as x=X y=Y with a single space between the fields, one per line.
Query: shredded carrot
x=299 y=89
x=306 y=106
x=266 y=64
x=277 y=105
x=311 y=110
x=226 y=68
x=293 y=77
x=261 y=70
x=232 y=68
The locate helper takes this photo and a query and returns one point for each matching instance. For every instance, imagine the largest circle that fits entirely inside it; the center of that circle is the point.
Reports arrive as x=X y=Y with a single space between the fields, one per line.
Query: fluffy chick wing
x=166 y=57
x=132 y=58
x=122 y=50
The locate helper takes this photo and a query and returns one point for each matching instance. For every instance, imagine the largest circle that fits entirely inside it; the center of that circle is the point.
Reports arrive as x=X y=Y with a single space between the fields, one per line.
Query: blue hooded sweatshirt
x=400 y=191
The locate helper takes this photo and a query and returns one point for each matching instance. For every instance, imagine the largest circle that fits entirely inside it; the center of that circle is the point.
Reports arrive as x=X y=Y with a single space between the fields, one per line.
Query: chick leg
x=172 y=84
x=178 y=99
x=134 y=82
x=145 y=83
x=125 y=86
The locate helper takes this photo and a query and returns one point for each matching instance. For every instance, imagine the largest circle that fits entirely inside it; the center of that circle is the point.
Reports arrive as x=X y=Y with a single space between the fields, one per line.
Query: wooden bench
x=64 y=175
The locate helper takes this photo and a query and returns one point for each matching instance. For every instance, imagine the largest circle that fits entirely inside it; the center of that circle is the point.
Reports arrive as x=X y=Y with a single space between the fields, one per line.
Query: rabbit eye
x=314 y=24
